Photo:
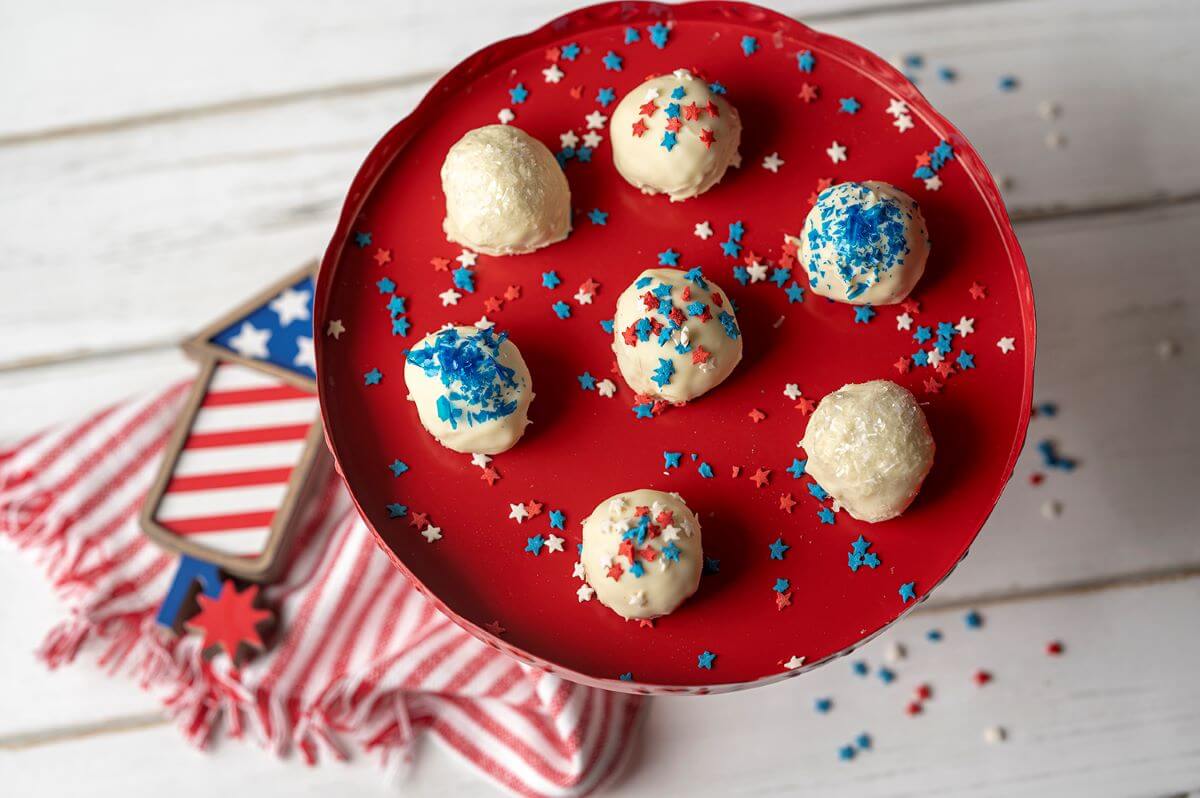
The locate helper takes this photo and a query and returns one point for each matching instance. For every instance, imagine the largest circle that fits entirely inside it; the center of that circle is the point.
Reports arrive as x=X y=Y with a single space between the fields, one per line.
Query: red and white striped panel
x=231 y=476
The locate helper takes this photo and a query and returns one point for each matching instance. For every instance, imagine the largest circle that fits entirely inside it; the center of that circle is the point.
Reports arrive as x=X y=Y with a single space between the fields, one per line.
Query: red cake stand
x=583 y=446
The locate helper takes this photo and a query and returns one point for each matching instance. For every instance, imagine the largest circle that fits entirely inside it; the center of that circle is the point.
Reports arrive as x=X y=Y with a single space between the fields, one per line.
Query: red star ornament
x=230 y=620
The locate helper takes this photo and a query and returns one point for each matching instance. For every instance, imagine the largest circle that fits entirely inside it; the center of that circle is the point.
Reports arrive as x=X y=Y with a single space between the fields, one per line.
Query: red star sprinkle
x=783 y=599
x=700 y=355
x=824 y=183
x=648 y=554
x=625 y=549
x=707 y=138
x=1036 y=478
x=982 y=677
x=761 y=477
x=911 y=306
x=932 y=386
x=230 y=620
x=645 y=623
x=923 y=160
x=805 y=405
x=978 y=291
x=756 y=415
x=630 y=335
x=534 y=508
x=639 y=128
x=553 y=53
x=614 y=572
x=913 y=708
x=495 y=628
x=589 y=286
x=924 y=691
x=786 y=502
x=512 y=292
x=576 y=92
x=691 y=112
x=440 y=264
x=735 y=471
x=808 y=92
x=944 y=369
x=712 y=109
x=490 y=475
x=419 y=520
x=648 y=109
x=902 y=365
x=675 y=125
x=383 y=256
x=790 y=247
x=1054 y=648
x=493 y=304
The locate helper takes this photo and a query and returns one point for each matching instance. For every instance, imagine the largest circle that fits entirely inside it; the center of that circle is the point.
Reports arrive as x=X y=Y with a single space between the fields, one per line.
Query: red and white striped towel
x=361 y=661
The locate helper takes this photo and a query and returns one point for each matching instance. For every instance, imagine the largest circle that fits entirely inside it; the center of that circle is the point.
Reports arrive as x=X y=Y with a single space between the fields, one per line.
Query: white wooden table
x=146 y=146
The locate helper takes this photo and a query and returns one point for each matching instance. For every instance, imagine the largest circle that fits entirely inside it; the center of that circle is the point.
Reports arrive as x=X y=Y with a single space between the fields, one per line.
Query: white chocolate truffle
x=864 y=243
x=641 y=553
x=505 y=193
x=675 y=334
x=869 y=446
x=674 y=135
x=471 y=387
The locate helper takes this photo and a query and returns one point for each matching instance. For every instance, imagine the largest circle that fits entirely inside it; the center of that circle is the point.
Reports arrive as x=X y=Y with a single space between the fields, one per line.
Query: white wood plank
x=1117 y=715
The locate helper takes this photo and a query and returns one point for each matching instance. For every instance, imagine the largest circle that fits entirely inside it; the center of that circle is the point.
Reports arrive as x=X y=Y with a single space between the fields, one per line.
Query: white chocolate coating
x=697 y=336
x=611 y=534
x=472 y=389
x=505 y=193
x=696 y=160
x=864 y=243
x=869 y=446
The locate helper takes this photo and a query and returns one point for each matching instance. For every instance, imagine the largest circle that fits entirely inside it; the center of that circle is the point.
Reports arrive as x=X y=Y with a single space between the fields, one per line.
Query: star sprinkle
x=772 y=163
x=552 y=74
x=705 y=471
x=335 y=329
x=808 y=92
x=517 y=512
x=848 y=105
x=606 y=388
x=1007 y=344
x=669 y=141
x=793 y=663
x=372 y=377
x=505 y=115
x=863 y=314
x=794 y=293
x=362 y=240
x=449 y=297
x=398 y=467
x=703 y=231
x=826 y=515
x=612 y=61
x=558 y=519
x=431 y=533
x=805 y=61
x=792 y=391
x=534 y=545
x=606 y=96
x=230 y=620
x=658 y=34
x=965 y=360
x=554 y=543
x=518 y=94
x=797 y=468
x=397 y=510
x=705 y=660
x=977 y=290
x=598 y=217
x=561 y=309
x=756 y=415
x=749 y=46
x=836 y=152
x=823 y=705
x=786 y=503
x=669 y=257
x=904 y=321
x=965 y=326
x=595 y=120
x=908 y=592
x=672 y=459
x=585 y=593
x=778 y=549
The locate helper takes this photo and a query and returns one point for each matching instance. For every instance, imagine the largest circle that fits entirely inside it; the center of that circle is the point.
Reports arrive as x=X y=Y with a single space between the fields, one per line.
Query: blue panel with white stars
x=279 y=332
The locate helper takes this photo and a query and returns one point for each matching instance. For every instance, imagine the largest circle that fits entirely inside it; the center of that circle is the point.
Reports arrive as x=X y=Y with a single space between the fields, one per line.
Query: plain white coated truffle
x=505 y=193
x=869 y=446
x=675 y=334
x=471 y=389
x=864 y=243
x=663 y=537
x=681 y=162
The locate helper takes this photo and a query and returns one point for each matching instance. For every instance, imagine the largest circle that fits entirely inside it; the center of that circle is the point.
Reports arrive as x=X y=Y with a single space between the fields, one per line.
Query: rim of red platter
x=583 y=448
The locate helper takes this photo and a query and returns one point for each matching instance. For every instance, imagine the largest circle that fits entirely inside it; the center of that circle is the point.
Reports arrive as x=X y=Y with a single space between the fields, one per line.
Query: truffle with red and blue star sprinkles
x=641 y=553
x=675 y=134
x=864 y=243
x=471 y=388
x=505 y=193
x=870 y=448
x=675 y=334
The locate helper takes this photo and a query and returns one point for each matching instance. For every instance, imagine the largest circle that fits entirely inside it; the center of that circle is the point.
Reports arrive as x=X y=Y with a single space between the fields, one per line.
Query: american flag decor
x=229 y=487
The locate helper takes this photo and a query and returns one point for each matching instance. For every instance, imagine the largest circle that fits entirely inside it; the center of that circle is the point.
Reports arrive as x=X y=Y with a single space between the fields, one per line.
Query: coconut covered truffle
x=675 y=335
x=505 y=193
x=641 y=553
x=869 y=446
x=864 y=243
x=675 y=135
x=471 y=387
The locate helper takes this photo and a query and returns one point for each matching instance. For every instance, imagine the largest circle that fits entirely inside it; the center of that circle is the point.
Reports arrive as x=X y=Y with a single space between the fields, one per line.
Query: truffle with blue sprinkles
x=864 y=243
x=642 y=554
x=675 y=134
x=869 y=447
x=505 y=193
x=471 y=388
x=675 y=334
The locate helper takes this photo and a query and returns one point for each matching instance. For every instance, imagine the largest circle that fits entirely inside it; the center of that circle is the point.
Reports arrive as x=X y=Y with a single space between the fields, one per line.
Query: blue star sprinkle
x=398 y=467
x=612 y=61
x=534 y=545
x=644 y=410
x=946 y=330
x=716 y=88
x=908 y=592
x=400 y=326
x=570 y=51
x=637 y=569
x=826 y=515
x=846 y=753
x=886 y=675
x=671 y=459
x=658 y=34
x=586 y=381
x=712 y=565
x=561 y=309
x=965 y=360
x=849 y=105
x=385 y=286
x=736 y=231
x=464 y=279
x=817 y=491
x=397 y=510
x=705 y=660
x=805 y=61
x=607 y=325
x=670 y=552
x=605 y=97
x=669 y=140
x=922 y=334
x=518 y=94
x=628 y=675
x=669 y=257
x=678 y=93
x=778 y=549
x=794 y=293
x=662 y=375
x=550 y=279
x=731 y=249
x=632 y=35
x=395 y=306
x=920 y=358
x=749 y=46
x=706 y=471
x=973 y=620
x=558 y=519
x=947 y=74
x=597 y=216
x=860 y=556
x=372 y=377
x=934 y=635
x=362 y=240
x=863 y=314
x=584 y=154
x=741 y=274
x=796 y=469
x=781 y=585
x=860 y=668
x=863 y=741
x=823 y=705
x=1007 y=83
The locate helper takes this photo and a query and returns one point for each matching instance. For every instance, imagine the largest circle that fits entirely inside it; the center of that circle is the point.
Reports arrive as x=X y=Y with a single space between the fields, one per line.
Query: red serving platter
x=583 y=447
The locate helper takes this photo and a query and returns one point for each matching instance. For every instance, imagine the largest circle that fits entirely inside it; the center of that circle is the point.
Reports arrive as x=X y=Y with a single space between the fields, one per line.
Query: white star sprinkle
x=552 y=73
x=670 y=532
x=994 y=734
x=449 y=297
x=517 y=512
x=431 y=533
x=568 y=139
x=616 y=505
x=554 y=543
x=250 y=341
x=933 y=183
x=480 y=459
x=965 y=326
x=577 y=570
x=793 y=663
x=836 y=152
x=935 y=358
x=772 y=163
x=904 y=321
x=894 y=653
x=897 y=107
x=290 y=306
x=335 y=328
x=1007 y=344
x=484 y=323
x=682 y=74
x=592 y=139
x=305 y=357
x=467 y=258
x=903 y=123
x=703 y=231
x=757 y=272
x=651 y=94
x=505 y=116
x=596 y=120
x=606 y=388
x=791 y=391
x=638 y=599
x=585 y=593
x=583 y=297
